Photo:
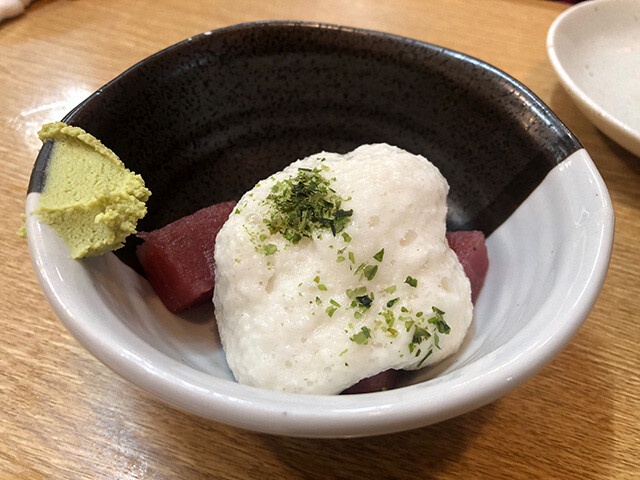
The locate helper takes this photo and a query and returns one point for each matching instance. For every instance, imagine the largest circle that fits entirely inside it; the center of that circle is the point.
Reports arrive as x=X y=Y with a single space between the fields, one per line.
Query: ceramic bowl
x=595 y=49
x=203 y=120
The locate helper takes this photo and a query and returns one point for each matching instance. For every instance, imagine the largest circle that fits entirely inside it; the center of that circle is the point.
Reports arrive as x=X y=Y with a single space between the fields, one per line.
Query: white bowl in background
x=595 y=49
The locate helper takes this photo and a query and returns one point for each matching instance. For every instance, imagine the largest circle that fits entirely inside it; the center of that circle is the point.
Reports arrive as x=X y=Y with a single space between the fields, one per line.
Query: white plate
x=595 y=49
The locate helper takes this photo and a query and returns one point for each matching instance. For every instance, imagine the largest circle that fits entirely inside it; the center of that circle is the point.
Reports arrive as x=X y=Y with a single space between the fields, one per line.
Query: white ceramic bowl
x=595 y=49
x=550 y=223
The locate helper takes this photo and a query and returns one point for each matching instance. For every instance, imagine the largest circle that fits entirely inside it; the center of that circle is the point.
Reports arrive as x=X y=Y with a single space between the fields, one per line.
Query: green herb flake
x=352 y=258
x=425 y=357
x=333 y=302
x=365 y=300
x=359 y=291
x=360 y=267
x=362 y=337
x=389 y=318
x=419 y=334
x=441 y=325
x=343 y=352
x=404 y=310
x=317 y=279
x=378 y=256
x=357 y=315
x=411 y=281
x=330 y=311
x=318 y=301
x=269 y=249
x=340 y=259
x=391 y=303
x=346 y=237
x=390 y=289
x=322 y=287
x=343 y=213
x=419 y=314
x=370 y=271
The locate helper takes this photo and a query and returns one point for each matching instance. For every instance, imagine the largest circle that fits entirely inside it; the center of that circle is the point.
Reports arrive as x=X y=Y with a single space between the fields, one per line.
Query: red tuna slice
x=178 y=258
x=382 y=381
x=472 y=253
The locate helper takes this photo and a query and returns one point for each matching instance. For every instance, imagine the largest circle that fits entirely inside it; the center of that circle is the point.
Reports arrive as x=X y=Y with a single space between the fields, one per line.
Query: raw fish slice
x=178 y=258
x=472 y=254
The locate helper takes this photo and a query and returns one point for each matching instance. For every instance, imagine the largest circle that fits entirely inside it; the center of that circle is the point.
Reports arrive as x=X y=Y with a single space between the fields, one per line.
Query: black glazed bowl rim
x=310 y=415
x=561 y=141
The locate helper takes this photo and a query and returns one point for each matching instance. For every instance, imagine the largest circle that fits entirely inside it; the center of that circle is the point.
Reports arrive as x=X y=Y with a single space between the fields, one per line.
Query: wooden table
x=65 y=415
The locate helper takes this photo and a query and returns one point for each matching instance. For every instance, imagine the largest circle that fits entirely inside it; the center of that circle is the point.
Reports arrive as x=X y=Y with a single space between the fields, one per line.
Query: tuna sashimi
x=472 y=253
x=386 y=380
x=178 y=258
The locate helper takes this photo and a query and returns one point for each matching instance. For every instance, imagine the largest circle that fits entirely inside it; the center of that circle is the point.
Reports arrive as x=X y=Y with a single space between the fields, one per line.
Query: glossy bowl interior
x=205 y=119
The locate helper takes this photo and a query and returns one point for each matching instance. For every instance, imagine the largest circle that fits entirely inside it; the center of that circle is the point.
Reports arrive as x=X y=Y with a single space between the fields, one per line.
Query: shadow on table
x=418 y=453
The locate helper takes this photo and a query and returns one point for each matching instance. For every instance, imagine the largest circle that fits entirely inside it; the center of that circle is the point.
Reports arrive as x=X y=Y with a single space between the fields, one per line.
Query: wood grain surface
x=65 y=415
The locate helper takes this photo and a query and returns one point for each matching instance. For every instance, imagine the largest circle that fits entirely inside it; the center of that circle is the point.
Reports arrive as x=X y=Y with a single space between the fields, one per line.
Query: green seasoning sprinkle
x=352 y=258
x=318 y=300
x=346 y=237
x=390 y=289
x=362 y=337
x=391 y=303
x=378 y=256
x=370 y=271
x=365 y=300
x=322 y=287
x=438 y=321
x=411 y=281
x=330 y=311
x=356 y=292
x=267 y=249
x=419 y=334
x=343 y=352
x=304 y=204
x=425 y=357
x=333 y=302
x=317 y=279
